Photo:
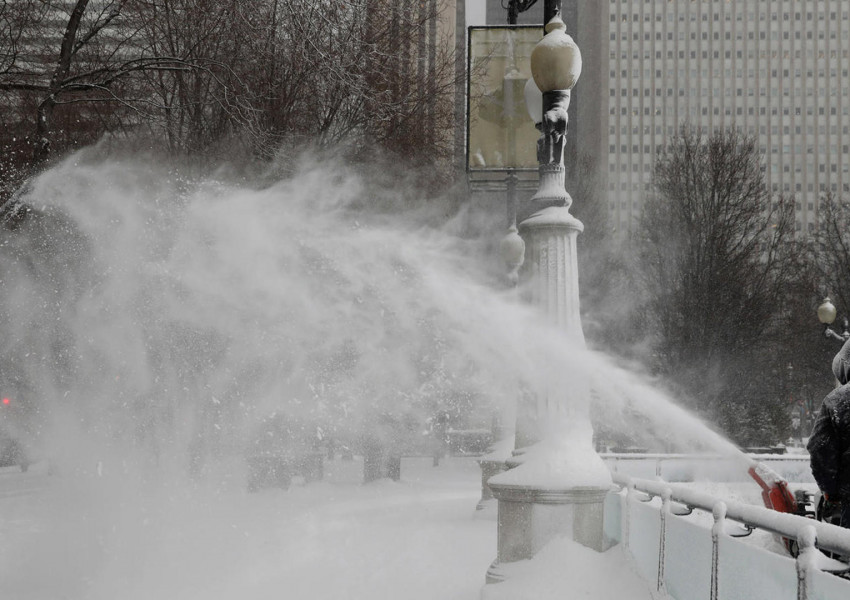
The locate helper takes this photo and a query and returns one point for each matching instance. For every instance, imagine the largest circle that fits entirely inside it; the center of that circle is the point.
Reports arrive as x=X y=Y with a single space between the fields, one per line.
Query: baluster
x=717 y=530
x=806 y=559
x=662 y=542
x=630 y=492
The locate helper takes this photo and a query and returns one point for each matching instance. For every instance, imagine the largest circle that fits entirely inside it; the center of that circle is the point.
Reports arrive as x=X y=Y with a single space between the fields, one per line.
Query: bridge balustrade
x=689 y=467
x=693 y=545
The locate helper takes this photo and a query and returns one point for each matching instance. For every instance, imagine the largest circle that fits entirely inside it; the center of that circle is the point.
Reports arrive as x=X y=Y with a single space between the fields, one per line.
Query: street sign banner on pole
x=500 y=134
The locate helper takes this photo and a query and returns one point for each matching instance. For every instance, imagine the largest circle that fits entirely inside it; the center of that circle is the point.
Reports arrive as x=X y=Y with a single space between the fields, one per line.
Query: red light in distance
x=6 y=401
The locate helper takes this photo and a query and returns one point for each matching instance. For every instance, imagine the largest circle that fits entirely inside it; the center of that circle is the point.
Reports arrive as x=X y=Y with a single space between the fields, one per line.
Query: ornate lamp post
x=826 y=315
x=557 y=483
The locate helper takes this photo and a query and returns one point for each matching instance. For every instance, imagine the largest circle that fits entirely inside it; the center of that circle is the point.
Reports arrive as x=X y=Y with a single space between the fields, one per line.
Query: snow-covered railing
x=688 y=545
x=715 y=467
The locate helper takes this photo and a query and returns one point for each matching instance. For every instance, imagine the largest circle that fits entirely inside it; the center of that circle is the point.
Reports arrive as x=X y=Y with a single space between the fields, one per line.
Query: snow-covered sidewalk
x=101 y=538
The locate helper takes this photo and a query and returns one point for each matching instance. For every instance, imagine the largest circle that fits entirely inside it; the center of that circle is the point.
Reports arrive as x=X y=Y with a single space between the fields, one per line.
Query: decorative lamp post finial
x=556 y=59
x=555 y=67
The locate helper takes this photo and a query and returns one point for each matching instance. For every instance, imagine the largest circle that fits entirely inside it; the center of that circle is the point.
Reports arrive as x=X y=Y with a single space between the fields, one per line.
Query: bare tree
x=715 y=254
x=16 y=18
x=93 y=60
x=199 y=92
x=364 y=75
x=831 y=246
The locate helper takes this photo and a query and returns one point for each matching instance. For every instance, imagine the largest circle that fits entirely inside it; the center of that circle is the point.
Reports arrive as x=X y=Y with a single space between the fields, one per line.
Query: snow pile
x=565 y=569
x=568 y=460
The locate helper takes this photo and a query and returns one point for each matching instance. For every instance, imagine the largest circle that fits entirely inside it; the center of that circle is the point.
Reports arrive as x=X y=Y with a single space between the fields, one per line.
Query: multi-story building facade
x=776 y=70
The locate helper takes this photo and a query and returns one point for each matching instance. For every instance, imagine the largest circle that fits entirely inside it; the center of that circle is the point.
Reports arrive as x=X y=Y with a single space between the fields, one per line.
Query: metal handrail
x=636 y=456
x=829 y=537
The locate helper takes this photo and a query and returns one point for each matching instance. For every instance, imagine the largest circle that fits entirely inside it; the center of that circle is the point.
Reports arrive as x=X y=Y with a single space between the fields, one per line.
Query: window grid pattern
x=777 y=70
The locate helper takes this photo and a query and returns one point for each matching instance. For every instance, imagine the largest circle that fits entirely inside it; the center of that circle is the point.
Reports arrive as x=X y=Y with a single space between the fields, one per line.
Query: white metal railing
x=687 y=559
x=687 y=467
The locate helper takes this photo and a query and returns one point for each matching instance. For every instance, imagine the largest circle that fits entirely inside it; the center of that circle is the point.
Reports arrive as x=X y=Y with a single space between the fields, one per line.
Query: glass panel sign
x=500 y=134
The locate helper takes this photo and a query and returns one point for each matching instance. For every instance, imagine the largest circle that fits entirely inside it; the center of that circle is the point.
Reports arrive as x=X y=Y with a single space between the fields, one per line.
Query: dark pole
x=517 y=6
x=550 y=9
x=514 y=8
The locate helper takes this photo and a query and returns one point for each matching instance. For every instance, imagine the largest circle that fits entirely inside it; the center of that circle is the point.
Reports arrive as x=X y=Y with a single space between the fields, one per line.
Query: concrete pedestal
x=529 y=518
x=489 y=468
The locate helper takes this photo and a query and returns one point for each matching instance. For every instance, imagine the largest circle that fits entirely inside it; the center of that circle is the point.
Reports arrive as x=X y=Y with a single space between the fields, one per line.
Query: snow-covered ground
x=101 y=534
x=101 y=537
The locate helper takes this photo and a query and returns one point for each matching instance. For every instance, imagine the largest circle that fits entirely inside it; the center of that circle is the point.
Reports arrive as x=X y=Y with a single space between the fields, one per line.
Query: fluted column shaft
x=552 y=265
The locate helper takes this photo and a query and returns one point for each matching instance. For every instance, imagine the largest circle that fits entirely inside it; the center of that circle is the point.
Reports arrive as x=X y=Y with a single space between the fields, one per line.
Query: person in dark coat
x=829 y=444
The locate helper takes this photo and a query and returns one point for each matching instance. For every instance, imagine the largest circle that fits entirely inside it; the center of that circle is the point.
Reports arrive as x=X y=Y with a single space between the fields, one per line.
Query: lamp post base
x=531 y=517
x=557 y=490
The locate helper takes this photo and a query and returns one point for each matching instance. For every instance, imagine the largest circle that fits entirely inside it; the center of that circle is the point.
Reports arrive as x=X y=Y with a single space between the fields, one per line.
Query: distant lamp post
x=512 y=87
x=827 y=315
x=512 y=248
x=504 y=109
x=557 y=482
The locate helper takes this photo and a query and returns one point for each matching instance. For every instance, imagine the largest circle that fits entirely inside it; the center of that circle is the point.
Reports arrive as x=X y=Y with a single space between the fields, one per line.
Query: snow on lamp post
x=557 y=482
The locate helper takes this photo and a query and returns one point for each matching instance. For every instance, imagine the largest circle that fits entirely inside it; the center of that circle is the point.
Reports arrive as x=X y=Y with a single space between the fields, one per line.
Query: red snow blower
x=776 y=496
x=774 y=488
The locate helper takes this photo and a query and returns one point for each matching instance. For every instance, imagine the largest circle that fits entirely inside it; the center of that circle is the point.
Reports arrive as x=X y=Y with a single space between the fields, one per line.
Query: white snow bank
x=559 y=463
x=565 y=569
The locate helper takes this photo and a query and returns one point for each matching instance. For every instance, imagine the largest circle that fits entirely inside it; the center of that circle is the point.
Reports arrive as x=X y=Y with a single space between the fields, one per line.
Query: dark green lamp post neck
x=550 y=9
